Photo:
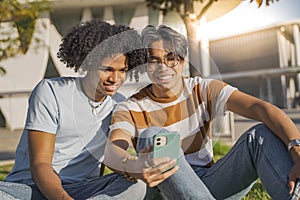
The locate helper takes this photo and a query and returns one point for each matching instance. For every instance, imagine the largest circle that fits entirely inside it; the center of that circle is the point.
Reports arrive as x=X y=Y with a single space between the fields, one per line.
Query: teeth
x=164 y=77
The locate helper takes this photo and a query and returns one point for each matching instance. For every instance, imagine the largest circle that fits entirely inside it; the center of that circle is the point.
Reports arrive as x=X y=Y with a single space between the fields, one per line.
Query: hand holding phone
x=166 y=144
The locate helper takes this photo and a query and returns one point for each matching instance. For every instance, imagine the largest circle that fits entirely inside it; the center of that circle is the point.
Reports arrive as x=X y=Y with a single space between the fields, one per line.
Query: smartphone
x=166 y=144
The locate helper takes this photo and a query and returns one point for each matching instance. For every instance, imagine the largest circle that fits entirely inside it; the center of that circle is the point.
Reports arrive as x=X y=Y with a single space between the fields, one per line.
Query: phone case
x=166 y=144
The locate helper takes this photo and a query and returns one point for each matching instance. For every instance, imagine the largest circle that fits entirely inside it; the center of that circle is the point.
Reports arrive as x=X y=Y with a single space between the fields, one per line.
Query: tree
x=190 y=12
x=20 y=18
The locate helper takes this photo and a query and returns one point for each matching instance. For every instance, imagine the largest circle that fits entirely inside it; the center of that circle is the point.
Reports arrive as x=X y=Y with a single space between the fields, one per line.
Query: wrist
x=124 y=168
x=293 y=143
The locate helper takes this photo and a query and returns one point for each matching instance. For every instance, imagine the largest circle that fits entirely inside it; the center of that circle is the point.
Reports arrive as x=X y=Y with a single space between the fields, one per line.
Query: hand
x=293 y=176
x=295 y=170
x=157 y=170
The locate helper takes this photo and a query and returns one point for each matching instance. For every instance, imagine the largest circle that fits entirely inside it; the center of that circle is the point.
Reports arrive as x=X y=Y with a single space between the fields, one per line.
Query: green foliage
x=19 y=18
x=260 y=2
x=183 y=8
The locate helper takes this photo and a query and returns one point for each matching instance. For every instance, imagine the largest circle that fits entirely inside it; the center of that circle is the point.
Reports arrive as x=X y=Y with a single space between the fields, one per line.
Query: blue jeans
x=111 y=186
x=184 y=184
x=257 y=154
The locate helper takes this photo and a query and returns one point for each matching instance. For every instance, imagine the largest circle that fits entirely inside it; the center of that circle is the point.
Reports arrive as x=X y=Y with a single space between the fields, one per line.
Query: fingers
x=293 y=177
x=160 y=167
x=156 y=171
x=146 y=164
x=292 y=182
x=291 y=186
x=156 y=179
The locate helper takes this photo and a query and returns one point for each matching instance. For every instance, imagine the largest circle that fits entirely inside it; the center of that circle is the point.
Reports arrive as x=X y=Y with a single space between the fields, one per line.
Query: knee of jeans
x=146 y=137
x=140 y=187
x=261 y=133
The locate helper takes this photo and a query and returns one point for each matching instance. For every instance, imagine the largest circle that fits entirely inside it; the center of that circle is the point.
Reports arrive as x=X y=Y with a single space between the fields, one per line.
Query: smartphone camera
x=160 y=141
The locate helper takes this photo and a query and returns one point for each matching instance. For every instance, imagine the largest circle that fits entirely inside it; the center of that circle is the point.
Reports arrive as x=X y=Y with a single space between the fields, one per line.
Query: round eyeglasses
x=170 y=60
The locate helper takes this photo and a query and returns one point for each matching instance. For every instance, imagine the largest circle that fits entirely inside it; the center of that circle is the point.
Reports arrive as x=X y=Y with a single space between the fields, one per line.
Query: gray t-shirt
x=59 y=106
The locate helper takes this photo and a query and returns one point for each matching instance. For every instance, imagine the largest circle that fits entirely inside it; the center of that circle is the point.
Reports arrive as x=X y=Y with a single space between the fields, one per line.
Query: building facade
x=272 y=48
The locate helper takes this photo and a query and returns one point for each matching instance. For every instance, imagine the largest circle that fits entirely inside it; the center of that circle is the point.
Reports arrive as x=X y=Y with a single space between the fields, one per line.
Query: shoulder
x=134 y=101
x=50 y=86
x=56 y=82
x=204 y=82
x=118 y=97
x=143 y=93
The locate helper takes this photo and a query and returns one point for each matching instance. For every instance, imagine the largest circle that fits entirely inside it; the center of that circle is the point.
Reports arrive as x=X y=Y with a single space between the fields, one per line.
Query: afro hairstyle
x=87 y=43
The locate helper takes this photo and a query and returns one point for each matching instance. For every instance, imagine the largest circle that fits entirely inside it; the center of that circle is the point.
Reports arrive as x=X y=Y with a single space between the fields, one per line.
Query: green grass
x=256 y=193
x=4 y=170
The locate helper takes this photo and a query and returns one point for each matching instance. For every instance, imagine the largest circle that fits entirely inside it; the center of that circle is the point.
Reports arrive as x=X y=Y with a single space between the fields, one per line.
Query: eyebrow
x=103 y=67
x=170 y=53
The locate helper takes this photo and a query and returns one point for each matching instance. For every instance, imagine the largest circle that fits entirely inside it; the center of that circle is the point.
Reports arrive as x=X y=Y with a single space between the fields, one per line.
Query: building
x=264 y=63
x=268 y=49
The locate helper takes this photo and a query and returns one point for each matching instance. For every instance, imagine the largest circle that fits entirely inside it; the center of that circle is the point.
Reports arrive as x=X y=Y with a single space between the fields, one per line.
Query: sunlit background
x=234 y=46
x=248 y=17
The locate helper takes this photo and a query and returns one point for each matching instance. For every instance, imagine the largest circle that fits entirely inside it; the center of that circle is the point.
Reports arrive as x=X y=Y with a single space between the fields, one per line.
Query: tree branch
x=205 y=8
x=177 y=8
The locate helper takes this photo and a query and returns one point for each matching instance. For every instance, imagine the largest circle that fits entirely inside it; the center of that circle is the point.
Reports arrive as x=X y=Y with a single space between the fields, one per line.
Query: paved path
x=8 y=143
x=9 y=140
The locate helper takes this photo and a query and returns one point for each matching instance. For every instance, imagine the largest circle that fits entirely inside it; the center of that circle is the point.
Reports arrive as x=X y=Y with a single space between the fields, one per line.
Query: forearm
x=280 y=124
x=259 y=110
x=48 y=182
x=114 y=159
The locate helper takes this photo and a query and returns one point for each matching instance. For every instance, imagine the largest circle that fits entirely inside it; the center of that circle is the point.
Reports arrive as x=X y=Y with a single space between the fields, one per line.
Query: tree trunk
x=194 y=49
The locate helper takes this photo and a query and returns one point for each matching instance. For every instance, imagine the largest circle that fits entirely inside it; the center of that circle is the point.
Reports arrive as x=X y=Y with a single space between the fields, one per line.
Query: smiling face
x=106 y=78
x=164 y=70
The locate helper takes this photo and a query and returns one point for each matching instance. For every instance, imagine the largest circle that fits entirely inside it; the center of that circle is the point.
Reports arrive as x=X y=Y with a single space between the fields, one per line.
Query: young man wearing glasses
x=269 y=151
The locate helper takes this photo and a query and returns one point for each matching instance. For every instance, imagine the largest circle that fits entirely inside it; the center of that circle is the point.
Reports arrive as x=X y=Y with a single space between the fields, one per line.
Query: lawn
x=256 y=193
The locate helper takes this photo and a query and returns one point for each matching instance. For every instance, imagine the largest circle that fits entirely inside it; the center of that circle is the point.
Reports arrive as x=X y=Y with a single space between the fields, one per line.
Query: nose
x=163 y=66
x=114 y=77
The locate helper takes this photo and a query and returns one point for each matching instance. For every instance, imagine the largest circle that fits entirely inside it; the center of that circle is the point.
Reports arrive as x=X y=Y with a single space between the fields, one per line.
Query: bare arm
x=274 y=118
x=41 y=147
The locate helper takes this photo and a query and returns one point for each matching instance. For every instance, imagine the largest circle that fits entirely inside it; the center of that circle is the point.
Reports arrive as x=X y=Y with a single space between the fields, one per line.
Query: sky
x=248 y=17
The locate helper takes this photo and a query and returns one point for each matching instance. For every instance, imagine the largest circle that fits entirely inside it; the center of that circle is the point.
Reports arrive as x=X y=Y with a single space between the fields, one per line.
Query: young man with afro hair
x=61 y=149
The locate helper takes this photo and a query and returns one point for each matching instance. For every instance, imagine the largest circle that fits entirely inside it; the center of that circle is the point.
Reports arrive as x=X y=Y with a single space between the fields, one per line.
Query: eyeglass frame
x=160 y=61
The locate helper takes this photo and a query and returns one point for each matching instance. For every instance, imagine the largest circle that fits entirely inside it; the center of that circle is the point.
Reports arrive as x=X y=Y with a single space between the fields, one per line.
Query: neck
x=91 y=92
x=163 y=92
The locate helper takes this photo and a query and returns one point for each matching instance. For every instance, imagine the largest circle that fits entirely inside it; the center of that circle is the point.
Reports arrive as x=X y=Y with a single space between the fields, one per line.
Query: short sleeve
x=43 y=113
x=218 y=93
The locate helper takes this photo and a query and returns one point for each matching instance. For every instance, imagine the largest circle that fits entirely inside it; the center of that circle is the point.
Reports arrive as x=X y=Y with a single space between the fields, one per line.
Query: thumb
x=291 y=186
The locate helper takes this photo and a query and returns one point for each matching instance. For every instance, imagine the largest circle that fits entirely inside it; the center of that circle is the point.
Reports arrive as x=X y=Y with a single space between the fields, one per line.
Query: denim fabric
x=257 y=154
x=184 y=184
x=111 y=186
x=10 y=191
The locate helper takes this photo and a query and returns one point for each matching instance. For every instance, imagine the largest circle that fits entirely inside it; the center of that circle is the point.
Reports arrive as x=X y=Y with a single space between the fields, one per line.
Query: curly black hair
x=86 y=44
